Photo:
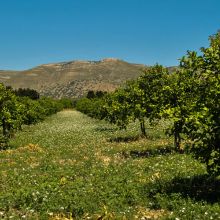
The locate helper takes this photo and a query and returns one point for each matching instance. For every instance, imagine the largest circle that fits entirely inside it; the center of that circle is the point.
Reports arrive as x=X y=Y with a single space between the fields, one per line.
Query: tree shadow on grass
x=105 y=129
x=159 y=150
x=132 y=138
x=125 y=139
x=200 y=188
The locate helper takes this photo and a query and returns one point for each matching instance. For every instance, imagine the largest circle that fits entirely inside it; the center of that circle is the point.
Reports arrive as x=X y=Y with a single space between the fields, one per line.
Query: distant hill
x=73 y=79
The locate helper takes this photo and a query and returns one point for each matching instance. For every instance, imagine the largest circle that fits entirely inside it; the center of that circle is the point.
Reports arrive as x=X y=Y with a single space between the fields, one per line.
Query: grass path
x=71 y=166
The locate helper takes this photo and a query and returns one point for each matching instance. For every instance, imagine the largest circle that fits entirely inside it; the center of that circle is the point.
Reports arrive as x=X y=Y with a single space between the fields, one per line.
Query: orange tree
x=179 y=96
x=137 y=100
x=202 y=110
x=10 y=113
x=116 y=108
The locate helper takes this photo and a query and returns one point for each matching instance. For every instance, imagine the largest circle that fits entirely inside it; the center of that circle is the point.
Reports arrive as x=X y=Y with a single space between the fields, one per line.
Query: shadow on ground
x=105 y=129
x=125 y=139
x=200 y=188
x=159 y=150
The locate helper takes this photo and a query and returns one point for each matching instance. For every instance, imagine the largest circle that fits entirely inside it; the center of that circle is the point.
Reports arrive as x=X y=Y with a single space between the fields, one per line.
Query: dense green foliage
x=178 y=100
x=18 y=110
x=26 y=92
x=10 y=114
x=203 y=120
x=91 y=104
x=95 y=94
x=137 y=100
x=193 y=94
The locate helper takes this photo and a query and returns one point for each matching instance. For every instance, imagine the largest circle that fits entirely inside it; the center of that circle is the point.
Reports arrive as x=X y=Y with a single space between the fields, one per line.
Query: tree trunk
x=177 y=137
x=143 y=130
x=177 y=141
x=4 y=130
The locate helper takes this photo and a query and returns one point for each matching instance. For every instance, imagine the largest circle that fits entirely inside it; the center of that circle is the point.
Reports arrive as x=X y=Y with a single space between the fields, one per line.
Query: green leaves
x=138 y=99
x=9 y=113
x=199 y=110
x=15 y=111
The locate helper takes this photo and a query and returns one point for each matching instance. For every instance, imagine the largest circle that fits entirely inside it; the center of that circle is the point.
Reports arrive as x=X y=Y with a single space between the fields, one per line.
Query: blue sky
x=33 y=32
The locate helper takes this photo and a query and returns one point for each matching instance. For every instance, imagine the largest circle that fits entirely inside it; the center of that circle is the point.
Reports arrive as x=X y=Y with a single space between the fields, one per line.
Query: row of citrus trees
x=189 y=97
x=16 y=111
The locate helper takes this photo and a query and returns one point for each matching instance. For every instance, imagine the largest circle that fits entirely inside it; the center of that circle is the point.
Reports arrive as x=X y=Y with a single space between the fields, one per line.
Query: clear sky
x=34 y=32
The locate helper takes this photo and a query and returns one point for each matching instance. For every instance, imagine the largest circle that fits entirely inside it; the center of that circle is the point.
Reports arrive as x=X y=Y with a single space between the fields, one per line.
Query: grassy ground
x=74 y=167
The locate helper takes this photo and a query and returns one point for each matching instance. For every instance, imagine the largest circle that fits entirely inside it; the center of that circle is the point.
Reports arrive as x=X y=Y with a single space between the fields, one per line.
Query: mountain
x=73 y=79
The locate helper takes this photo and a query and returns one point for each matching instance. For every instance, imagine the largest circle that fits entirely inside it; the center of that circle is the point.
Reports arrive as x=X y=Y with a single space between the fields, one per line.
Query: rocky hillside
x=73 y=79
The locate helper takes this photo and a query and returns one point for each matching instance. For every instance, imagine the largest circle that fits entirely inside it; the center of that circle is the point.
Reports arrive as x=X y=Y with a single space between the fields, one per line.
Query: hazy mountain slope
x=73 y=79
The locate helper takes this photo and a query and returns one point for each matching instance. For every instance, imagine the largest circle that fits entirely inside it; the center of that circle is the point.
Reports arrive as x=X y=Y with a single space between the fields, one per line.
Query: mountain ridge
x=73 y=79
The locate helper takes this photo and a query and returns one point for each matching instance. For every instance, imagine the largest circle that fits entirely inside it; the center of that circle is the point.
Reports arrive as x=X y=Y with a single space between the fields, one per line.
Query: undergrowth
x=74 y=167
